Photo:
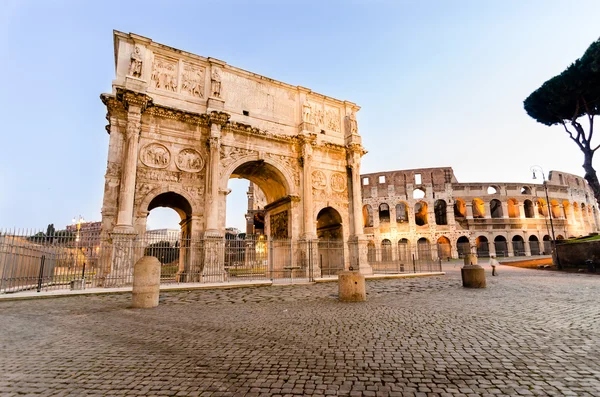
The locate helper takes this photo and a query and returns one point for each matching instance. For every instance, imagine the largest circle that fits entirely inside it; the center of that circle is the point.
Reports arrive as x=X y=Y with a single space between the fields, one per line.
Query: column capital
x=218 y=118
x=134 y=101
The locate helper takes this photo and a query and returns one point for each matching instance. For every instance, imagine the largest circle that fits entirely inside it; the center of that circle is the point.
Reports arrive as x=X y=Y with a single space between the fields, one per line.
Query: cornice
x=130 y=98
x=179 y=115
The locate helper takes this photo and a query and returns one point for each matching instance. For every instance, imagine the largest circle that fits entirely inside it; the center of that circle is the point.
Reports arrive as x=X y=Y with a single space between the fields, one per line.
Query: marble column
x=308 y=228
x=135 y=104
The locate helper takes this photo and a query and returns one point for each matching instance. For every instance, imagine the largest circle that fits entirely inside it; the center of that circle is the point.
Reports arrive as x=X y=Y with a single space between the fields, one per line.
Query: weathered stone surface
x=533 y=333
x=351 y=287
x=146 y=283
x=181 y=125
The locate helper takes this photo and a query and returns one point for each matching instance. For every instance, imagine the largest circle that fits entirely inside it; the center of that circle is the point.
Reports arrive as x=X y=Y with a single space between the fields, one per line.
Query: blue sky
x=440 y=83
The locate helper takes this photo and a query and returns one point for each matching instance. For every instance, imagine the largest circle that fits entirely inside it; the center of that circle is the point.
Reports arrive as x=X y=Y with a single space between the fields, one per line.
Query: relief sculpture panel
x=192 y=80
x=155 y=155
x=164 y=74
x=319 y=180
x=279 y=225
x=189 y=160
x=338 y=182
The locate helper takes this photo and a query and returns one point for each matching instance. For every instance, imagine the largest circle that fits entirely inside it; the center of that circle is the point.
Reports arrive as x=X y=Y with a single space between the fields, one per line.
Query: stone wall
x=575 y=254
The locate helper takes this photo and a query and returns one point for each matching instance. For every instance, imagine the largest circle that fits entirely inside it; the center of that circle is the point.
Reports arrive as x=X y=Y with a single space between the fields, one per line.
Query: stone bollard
x=351 y=287
x=146 y=283
x=473 y=275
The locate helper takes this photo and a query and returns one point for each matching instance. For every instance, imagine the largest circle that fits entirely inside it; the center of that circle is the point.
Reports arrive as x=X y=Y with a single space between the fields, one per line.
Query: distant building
x=407 y=210
x=157 y=235
x=89 y=233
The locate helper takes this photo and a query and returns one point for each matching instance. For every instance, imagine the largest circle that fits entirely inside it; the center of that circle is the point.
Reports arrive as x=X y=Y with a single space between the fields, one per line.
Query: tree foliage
x=570 y=98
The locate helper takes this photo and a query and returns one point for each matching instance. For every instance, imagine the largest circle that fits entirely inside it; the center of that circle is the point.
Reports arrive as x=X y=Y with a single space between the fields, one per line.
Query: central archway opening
x=331 y=241
x=257 y=218
x=266 y=201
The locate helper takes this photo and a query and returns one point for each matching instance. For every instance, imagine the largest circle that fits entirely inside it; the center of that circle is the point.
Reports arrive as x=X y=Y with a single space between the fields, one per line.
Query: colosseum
x=426 y=212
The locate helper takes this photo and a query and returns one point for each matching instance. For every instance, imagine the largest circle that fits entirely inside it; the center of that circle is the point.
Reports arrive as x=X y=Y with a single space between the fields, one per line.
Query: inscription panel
x=263 y=98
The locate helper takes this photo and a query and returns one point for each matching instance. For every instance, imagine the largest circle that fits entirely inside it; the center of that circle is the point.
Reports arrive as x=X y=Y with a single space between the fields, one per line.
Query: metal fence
x=77 y=260
x=423 y=258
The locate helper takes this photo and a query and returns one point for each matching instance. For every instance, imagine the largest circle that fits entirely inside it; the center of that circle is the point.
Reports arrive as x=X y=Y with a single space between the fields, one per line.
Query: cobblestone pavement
x=531 y=332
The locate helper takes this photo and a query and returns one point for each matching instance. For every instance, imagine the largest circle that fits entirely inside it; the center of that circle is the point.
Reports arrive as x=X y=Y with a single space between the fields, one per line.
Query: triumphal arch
x=182 y=125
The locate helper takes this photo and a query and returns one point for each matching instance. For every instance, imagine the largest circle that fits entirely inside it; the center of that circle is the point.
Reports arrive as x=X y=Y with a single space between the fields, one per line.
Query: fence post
x=41 y=275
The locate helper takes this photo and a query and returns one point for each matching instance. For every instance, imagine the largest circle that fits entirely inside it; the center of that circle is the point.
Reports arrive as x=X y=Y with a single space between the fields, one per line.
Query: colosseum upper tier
x=410 y=208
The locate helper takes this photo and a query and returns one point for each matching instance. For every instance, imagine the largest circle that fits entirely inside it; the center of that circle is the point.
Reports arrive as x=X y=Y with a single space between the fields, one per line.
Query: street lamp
x=544 y=182
x=78 y=221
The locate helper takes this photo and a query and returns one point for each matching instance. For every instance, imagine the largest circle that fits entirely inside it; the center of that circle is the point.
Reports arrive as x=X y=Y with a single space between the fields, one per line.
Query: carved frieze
x=332 y=119
x=164 y=74
x=158 y=175
x=189 y=160
x=319 y=180
x=290 y=163
x=231 y=153
x=192 y=80
x=155 y=155
x=338 y=182
x=325 y=117
x=279 y=225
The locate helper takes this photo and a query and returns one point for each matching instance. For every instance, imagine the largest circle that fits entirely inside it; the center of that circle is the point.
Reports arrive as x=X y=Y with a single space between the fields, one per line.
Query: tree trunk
x=590 y=174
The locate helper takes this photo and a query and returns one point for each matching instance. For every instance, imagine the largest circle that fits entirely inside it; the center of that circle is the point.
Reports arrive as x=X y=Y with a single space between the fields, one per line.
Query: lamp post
x=77 y=221
x=544 y=182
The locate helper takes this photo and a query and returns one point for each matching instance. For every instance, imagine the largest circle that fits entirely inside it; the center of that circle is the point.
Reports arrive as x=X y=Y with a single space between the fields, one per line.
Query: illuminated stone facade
x=181 y=125
x=426 y=206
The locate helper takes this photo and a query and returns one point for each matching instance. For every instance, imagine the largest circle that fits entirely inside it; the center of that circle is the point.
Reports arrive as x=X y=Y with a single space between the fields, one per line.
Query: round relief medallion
x=338 y=182
x=189 y=160
x=319 y=180
x=155 y=155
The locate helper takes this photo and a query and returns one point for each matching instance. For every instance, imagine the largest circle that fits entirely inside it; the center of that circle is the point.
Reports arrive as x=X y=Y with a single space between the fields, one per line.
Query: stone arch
x=496 y=209
x=181 y=203
x=419 y=193
x=478 y=208
x=500 y=246
x=547 y=241
x=542 y=207
x=444 y=247
x=534 y=245
x=463 y=246
x=483 y=247
x=513 y=208
x=439 y=208
x=493 y=189
x=402 y=212
x=272 y=177
x=384 y=213
x=460 y=208
x=404 y=252
x=528 y=209
x=147 y=199
x=330 y=232
x=518 y=245
x=555 y=209
x=566 y=209
x=424 y=249
x=329 y=224
x=421 y=215
x=386 y=250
